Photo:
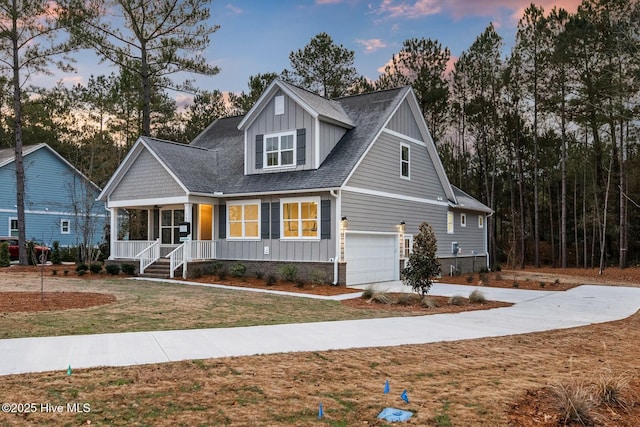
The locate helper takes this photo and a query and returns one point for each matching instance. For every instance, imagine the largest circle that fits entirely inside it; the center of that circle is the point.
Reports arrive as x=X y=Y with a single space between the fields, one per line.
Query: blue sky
x=256 y=36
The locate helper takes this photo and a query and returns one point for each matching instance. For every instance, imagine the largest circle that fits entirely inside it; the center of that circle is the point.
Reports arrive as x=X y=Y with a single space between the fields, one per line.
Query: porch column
x=113 y=232
x=150 y=224
x=188 y=217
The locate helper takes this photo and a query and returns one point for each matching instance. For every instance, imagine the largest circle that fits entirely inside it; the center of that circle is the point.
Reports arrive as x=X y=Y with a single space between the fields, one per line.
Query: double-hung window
x=280 y=149
x=404 y=161
x=449 y=222
x=65 y=226
x=13 y=227
x=300 y=218
x=244 y=219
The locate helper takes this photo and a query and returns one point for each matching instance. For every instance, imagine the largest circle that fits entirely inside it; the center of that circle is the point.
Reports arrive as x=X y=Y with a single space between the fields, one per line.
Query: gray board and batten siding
x=403 y=121
x=316 y=250
x=267 y=122
x=145 y=180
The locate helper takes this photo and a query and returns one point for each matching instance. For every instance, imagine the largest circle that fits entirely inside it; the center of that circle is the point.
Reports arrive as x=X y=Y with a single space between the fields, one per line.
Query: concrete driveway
x=533 y=311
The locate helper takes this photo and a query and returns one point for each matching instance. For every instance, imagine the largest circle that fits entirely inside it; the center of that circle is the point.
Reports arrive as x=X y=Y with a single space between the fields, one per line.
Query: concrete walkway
x=533 y=311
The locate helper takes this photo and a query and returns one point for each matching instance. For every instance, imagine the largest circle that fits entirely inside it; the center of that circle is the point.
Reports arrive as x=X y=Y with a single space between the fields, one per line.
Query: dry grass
x=575 y=403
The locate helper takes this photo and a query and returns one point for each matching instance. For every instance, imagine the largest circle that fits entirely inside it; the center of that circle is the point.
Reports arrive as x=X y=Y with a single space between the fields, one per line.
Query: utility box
x=455 y=248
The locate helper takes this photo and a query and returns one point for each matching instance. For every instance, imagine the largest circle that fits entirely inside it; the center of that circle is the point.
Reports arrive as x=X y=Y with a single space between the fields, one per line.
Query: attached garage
x=371 y=257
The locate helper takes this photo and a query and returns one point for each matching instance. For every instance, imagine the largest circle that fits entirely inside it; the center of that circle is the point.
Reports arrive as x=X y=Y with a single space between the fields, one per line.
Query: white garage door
x=371 y=258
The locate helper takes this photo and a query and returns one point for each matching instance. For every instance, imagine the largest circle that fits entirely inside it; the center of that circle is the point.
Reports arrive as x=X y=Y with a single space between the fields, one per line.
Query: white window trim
x=463 y=220
x=406 y=237
x=299 y=200
x=480 y=221
x=12 y=218
x=450 y=222
x=408 y=162
x=62 y=226
x=278 y=105
x=279 y=135
x=244 y=203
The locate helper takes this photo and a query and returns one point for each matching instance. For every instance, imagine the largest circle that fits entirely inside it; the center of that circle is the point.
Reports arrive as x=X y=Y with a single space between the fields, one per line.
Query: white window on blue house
x=280 y=149
x=404 y=161
x=243 y=219
x=13 y=227
x=65 y=226
x=300 y=218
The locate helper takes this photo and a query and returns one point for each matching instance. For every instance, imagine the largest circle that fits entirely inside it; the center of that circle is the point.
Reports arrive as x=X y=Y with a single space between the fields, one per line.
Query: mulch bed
x=13 y=302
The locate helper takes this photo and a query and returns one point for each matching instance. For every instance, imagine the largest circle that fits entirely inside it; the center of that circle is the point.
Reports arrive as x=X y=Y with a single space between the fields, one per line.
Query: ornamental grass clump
x=575 y=403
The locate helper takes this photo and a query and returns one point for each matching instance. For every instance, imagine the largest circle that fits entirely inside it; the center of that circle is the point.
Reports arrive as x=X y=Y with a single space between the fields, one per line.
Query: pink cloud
x=463 y=8
x=371 y=45
x=328 y=1
x=234 y=9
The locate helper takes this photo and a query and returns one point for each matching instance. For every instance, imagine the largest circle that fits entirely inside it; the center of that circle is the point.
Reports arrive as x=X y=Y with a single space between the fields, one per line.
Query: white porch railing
x=177 y=257
x=128 y=249
x=149 y=255
x=201 y=249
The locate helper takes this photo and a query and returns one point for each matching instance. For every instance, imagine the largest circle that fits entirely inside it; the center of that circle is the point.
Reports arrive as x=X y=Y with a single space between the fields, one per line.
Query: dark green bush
x=82 y=267
x=113 y=269
x=222 y=273
x=271 y=280
x=129 y=269
x=289 y=272
x=95 y=267
x=238 y=270
x=55 y=254
x=5 y=259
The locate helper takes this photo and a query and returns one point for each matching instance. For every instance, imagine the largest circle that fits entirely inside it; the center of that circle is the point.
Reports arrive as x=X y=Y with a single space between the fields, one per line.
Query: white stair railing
x=177 y=257
x=149 y=255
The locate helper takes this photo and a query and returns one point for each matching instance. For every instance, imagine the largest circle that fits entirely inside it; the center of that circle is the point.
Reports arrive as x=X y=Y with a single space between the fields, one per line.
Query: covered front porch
x=179 y=233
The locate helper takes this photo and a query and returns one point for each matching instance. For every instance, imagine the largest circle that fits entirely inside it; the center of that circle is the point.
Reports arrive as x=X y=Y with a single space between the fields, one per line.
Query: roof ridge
x=166 y=141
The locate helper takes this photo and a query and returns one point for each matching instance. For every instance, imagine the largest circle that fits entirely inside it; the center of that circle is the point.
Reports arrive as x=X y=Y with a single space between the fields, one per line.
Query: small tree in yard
x=5 y=257
x=423 y=265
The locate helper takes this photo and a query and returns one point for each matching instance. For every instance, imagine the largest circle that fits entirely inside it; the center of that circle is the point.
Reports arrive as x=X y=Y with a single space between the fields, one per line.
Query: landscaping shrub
x=222 y=273
x=405 y=299
x=318 y=277
x=423 y=264
x=457 y=300
x=299 y=283
x=5 y=258
x=259 y=275
x=238 y=270
x=368 y=292
x=575 y=403
x=289 y=272
x=381 y=297
x=470 y=278
x=477 y=297
x=428 y=302
x=31 y=254
x=611 y=390
x=95 y=267
x=271 y=280
x=129 y=269
x=56 y=258
x=82 y=267
x=113 y=269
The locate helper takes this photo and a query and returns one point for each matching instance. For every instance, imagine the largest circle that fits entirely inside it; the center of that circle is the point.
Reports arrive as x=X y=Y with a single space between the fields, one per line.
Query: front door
x=170 y=220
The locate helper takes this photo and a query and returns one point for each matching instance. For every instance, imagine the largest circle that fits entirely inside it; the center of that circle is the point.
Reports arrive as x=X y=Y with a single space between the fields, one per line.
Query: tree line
x=545 y=135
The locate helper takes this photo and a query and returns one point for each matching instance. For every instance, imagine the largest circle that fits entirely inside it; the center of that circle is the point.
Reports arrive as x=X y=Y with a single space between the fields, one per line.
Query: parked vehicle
x=43 y=253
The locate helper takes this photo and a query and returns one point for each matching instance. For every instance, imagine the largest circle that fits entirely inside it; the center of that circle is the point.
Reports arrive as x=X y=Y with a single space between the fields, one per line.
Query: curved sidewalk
x=533 y=311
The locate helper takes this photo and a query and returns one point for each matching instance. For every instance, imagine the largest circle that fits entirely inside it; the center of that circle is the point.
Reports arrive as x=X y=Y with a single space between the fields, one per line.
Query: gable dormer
x=290 y=129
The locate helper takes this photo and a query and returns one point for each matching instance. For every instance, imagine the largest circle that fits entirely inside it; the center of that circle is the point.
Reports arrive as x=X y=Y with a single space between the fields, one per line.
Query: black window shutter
x=325 y=219
x=264 y=221
x=222 y=221
x=259 y=151
x=275 y=220
x=301 y=147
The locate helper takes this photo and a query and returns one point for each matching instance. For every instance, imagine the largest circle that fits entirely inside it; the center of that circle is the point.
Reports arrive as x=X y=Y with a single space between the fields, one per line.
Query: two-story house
x=60 y=202
x=337 y=186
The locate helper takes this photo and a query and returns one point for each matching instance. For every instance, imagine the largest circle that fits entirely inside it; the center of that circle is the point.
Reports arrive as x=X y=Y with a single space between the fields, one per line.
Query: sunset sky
x=256 y=36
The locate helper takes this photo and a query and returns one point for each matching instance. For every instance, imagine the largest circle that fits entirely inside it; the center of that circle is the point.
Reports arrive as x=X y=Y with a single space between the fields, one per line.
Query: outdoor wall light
x=344 y=218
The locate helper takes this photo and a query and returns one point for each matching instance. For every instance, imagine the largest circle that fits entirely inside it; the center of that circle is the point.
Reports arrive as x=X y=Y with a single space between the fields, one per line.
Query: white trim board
x=394 y=196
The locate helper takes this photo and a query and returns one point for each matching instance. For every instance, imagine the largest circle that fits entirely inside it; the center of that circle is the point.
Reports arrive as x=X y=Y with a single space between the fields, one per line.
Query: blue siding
x=51 y=187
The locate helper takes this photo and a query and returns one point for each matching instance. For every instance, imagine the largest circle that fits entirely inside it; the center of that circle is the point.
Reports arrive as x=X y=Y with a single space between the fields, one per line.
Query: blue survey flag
x=386 y=387
x=69 y=370
x=320 y=412
x=404 y=396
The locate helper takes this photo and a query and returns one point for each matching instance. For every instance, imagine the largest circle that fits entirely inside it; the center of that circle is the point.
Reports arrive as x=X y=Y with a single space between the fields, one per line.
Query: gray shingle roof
x=465 y=201
x=328 y=108
x=368 y=111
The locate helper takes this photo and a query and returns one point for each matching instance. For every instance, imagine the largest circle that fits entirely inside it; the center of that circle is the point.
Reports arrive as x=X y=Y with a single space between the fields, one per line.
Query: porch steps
x=161 y=269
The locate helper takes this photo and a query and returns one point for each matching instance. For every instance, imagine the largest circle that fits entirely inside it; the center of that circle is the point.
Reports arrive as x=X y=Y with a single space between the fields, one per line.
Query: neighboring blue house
x=59 y=200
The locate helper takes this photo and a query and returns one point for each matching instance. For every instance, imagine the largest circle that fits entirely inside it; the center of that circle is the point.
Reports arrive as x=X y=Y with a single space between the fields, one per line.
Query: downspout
x=486 y=239
x=336 y=258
